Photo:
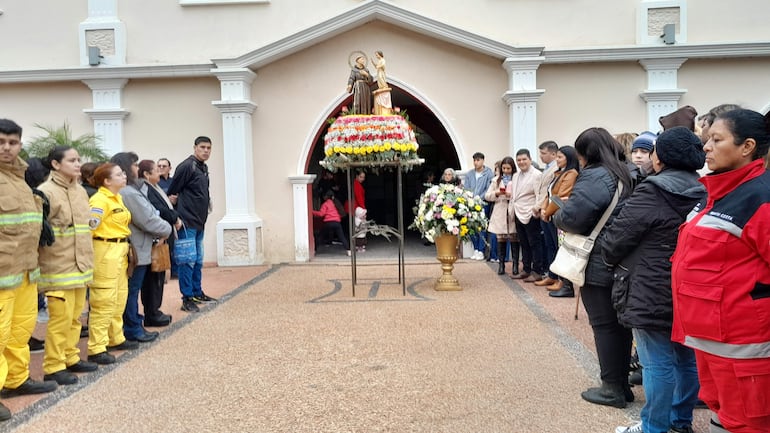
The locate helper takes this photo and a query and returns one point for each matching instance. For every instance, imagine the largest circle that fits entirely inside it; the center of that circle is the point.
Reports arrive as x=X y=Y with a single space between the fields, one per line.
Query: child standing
x=332 y=220
x=360 y=219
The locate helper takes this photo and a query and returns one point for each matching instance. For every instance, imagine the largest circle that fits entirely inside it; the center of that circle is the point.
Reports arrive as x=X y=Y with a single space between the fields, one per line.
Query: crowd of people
x=82 y=235
x=681 y=267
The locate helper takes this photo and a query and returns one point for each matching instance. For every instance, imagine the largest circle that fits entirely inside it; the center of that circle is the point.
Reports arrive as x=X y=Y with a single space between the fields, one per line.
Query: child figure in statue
x=379 y=63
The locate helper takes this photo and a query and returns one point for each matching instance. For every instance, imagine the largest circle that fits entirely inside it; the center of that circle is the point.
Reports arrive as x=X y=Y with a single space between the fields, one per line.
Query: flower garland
x=369 y=138
x=448 y=208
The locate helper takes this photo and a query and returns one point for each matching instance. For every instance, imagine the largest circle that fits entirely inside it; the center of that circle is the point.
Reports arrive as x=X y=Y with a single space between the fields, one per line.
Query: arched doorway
x=436 y=147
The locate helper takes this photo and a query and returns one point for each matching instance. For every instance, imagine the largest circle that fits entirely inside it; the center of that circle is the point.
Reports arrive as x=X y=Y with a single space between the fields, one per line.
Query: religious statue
x=359 y=84
x=379 y=63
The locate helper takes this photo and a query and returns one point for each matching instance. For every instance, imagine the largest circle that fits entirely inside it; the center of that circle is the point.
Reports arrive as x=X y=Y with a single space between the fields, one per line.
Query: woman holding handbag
x=502 y=222
x=594 y=191
x=154 y=280
x=146 y=226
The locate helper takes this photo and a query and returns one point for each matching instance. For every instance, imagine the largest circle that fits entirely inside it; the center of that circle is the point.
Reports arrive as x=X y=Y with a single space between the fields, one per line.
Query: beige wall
x=49 y=104
x=713 y=82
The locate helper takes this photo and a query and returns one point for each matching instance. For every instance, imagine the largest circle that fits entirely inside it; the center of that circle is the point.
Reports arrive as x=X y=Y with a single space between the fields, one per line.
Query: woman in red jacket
x=721 y=276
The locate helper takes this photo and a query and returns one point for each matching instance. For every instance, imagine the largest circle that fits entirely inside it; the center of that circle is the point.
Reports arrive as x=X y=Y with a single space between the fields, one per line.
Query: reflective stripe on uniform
x=73 y=231
x=729 y=350
x=720 y=224
x=20 y=218
x=69 y=279
x=11 y=281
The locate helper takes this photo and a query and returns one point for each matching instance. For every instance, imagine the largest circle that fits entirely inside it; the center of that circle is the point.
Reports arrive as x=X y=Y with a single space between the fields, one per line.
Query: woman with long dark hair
x=594 y=189
x=502 y=223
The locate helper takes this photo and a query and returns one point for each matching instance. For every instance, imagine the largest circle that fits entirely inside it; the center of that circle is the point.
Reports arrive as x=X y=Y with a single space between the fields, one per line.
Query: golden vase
x=446 y=253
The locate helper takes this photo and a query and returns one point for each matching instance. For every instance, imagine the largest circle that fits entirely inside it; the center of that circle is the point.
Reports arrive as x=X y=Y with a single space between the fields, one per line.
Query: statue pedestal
x=382 y=102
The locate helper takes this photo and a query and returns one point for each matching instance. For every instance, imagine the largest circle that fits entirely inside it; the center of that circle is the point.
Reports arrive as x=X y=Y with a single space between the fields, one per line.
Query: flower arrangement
x=447 y=208
x=369 y=138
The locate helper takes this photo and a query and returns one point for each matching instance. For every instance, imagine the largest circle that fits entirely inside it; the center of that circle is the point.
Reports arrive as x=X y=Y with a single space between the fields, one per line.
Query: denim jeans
x=190 y=273
x=132 y=320
x=550 y=245
x=479 y=240
x=670 y=381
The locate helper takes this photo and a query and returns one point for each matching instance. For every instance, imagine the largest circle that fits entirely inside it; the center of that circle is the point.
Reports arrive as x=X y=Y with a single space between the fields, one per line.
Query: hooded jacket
x=642 y=239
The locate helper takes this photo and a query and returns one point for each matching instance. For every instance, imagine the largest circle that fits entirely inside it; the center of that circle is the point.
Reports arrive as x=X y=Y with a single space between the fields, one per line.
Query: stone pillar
x=107 y=113
x=662 y=94
x=302 y=219
x=239 y=232
x=522 y=97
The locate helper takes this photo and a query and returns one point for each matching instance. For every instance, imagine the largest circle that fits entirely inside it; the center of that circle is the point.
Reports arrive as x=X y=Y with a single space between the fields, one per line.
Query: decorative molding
x=368 y=11
x=247 y=107
x=131 y=72
x=218 y=2
x=645 y=18
x=516 y=97
x=662 y=95
x=522 y=72
x=635 y=53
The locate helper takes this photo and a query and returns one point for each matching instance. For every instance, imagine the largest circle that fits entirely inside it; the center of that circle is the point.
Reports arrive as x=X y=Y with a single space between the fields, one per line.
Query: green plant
x=87 y=145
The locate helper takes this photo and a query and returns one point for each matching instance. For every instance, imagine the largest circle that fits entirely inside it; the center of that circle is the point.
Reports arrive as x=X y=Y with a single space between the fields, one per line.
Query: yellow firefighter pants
x=107 y=296
x=63 y=333
x=22 y=324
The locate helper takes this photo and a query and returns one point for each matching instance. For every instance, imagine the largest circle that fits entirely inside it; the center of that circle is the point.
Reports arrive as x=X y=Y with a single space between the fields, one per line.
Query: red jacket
x=328 y=212
x=721 y=267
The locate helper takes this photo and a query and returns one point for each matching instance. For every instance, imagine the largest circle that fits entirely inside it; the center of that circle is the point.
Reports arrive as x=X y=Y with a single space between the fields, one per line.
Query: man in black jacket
x=191 y=186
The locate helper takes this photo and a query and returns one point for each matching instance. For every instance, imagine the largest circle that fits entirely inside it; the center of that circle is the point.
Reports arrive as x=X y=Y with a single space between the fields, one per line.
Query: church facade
x=262 y=78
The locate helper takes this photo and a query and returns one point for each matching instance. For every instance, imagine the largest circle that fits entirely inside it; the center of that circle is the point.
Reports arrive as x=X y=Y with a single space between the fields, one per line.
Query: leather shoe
x=83 y=367
x=103 y=358
x=5 y=413
x=29 y=387
x=126 y=345
x=520 y=276
x=532 y=278
x=555 y=286
x=157 y=322
x=547 y=281
x=564 y=292
x=146 y=337
x=62 y=377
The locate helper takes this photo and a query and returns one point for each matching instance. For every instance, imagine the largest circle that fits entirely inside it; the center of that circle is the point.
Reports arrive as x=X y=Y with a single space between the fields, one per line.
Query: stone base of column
x=239 y=241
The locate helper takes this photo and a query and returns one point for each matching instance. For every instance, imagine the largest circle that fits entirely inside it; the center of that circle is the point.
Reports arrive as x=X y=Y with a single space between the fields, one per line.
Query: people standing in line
x=66 y=266
x=477 y=181
x=559 y=191
x=502 y=222
x=20 y=229
x=721 y=275
x=164 y=167
x=592 y=194
x=332 y=221
x=522 y=203
x=193 y=203
x=108 y=292
x=548 y=151
x=639 y=244
x=146 y=227
x=152 y=287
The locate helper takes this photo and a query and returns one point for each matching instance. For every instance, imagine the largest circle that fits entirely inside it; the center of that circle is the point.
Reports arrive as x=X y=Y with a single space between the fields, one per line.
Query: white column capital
x=303 y=179
x=231 y=106
x=107 y=83
x=234 y=74
x=523 y=63
x=512 y=97
x=662 y=95
x=662 y=64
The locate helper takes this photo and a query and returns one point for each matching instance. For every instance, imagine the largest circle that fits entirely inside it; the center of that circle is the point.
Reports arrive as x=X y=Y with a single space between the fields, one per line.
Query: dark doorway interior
x=436 y=148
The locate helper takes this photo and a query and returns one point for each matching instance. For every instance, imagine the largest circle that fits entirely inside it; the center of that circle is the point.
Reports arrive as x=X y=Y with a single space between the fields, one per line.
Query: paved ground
x=288 y=349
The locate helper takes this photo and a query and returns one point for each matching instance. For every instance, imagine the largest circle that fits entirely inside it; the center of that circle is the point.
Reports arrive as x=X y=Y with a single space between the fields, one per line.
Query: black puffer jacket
x=593 y=192
x=191 y=184
x=642 y=239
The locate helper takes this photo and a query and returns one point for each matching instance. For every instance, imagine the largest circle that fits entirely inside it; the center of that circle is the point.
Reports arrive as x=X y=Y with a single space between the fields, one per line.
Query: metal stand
x=399 y=165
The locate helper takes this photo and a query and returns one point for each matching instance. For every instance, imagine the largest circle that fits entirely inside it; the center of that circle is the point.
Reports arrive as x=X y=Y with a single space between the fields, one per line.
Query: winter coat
x=191 y=185
x=167 y=213
x=502 y=221
x=68 y=263
x=524 y=195
x=592 y=194
x=642 y=239
x=561 y=189
x=21 y=219
x=146 y=223
x=328 y=212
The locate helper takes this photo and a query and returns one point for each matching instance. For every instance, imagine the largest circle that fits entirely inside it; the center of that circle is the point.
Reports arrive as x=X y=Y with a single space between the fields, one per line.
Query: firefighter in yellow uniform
x=66 y=266
x=109 y=290
x=21 y=220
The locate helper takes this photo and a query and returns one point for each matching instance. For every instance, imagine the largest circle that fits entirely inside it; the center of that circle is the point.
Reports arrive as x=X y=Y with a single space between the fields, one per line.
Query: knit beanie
x=645 y=141
x=684 y=116
x=680 y=148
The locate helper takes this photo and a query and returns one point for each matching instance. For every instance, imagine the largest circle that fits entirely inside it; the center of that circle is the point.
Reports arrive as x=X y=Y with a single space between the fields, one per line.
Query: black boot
x=566 y=291
x=609 y=394
x=515 y=257
x=501 y=247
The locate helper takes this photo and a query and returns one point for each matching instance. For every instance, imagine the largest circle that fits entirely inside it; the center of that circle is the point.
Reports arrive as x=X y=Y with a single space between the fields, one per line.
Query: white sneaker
x=479 y=255
x=636 y=428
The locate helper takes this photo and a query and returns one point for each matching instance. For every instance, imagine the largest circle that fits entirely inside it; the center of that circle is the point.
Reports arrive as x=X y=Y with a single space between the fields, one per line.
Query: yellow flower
x=329 y=152
x=463 y=230
x=369 y=149
x=396 y=147
x=460 y=200
x=463 y=220
x=349 y=149
x=337 y=149
x=386 y=146
x=478 y=207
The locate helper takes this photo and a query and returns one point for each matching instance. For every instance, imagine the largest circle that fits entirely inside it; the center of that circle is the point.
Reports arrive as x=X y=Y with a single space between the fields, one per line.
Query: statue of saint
x=359 y=84
x=379 y=63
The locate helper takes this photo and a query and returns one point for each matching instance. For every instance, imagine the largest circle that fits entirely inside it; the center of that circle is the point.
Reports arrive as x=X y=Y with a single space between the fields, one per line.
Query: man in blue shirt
x=477 y=181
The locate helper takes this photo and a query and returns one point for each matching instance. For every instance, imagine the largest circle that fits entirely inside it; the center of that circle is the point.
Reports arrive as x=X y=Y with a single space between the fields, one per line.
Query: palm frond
x=87 y=145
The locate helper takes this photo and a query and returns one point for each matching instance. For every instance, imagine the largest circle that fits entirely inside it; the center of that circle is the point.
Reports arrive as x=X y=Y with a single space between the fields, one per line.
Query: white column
x=104 y=30
x=662 y=94
x=239 y=232
x=522 y=96
x=302 y=219
x=107 y=112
